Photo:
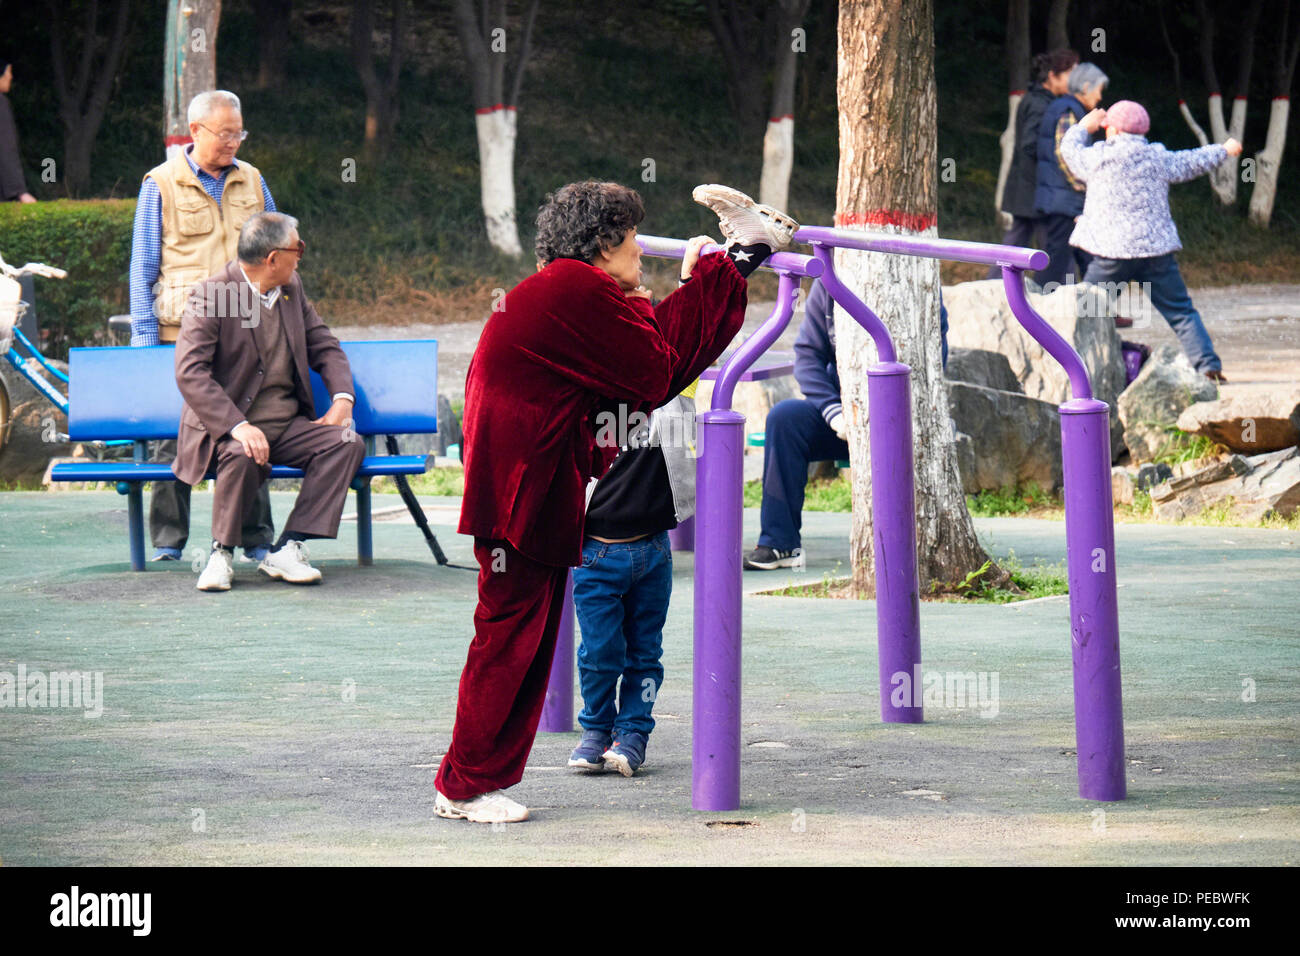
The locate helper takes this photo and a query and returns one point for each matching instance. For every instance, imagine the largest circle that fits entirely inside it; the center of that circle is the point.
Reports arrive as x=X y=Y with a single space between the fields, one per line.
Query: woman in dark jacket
x=1051 y=76
x=1059 y=196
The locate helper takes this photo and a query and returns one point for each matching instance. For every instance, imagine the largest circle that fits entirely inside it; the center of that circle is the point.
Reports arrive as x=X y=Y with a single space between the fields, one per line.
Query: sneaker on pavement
x=166 y=554
x=494 y=807
x=764 y=558
x=254 y=555
x=217 y=575
x=628 y=752
x=289 y=563
x=587 y=755
x=744 y=221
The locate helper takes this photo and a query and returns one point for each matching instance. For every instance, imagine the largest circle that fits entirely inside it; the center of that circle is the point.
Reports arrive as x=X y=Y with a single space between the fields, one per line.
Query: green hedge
x=91 y=239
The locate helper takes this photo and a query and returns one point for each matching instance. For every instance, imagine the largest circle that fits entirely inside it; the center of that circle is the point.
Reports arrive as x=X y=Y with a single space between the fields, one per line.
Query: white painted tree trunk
x=1268 y=162
x=1191 y=122
x=496 y=154
x=1008 y=143
x=1223 y=178
x=778 y=162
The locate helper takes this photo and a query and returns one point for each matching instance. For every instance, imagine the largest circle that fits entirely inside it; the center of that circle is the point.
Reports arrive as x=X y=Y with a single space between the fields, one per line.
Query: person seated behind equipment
x=248 y=342
x=804 y=430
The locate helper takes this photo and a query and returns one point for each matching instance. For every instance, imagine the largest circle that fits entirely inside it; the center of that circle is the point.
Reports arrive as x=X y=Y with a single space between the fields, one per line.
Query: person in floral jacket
x=1126 y=224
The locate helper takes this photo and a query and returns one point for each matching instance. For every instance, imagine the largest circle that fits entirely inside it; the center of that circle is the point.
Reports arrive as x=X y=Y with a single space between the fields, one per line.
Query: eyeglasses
x=301 y=249
x=228 y=137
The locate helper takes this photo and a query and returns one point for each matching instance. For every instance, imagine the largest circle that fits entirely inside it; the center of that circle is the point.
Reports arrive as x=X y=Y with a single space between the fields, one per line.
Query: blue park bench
x=131 y=393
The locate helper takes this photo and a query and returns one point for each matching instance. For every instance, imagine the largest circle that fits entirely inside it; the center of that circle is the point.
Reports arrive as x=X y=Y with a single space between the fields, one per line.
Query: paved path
x=288 y=725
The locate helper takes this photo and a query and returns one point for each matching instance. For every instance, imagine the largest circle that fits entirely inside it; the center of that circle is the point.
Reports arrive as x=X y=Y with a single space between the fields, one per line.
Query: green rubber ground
x=286 y=725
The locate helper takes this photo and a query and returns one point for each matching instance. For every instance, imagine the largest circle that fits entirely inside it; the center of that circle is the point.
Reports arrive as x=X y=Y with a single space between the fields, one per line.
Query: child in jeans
x=1126 y=224
x=621 y=591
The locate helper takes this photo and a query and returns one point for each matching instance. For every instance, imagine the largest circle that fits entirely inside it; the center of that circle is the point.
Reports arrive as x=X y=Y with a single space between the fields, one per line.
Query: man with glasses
x=187 y=223
x=248 y=344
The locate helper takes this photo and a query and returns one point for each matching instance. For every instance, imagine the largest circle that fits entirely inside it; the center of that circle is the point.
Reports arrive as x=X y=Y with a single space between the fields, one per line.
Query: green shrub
x=91 y=240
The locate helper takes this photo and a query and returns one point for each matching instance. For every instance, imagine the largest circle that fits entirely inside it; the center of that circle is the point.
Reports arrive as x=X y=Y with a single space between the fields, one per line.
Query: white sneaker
x=290 y=564
x=494 y=807
x=216 y=576
x=744 y=221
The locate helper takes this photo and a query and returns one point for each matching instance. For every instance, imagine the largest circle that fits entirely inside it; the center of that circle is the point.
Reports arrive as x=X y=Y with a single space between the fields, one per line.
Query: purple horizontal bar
x=952 y=249
x=791 y=262
x=769 y=366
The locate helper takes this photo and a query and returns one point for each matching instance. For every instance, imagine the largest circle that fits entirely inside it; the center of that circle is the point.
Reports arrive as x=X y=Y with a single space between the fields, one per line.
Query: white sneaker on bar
x=493 y=807
x=289 y=563
x=744 y=221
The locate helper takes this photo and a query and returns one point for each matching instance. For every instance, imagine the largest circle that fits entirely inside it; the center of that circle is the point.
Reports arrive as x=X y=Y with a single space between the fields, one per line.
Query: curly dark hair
x=1054 y=61
x=580 y=219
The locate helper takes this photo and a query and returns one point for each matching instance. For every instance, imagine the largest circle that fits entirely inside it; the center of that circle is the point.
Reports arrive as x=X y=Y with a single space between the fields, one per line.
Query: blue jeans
x=796 y=435
x=620 y=595
x=1169 y=296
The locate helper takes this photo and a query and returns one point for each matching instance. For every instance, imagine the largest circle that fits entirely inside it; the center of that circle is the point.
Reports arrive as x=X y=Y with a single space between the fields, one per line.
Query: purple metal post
x=893 y=510
x=682 y=538
x=557 y=711
x=715 y=721
x=1090 y=562
x=719 y=486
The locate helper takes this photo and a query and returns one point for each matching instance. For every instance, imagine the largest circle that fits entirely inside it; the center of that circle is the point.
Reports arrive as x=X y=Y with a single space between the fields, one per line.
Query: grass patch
x=1180 y=446
x=820 y=494
x=1009 y=501
x=446 y=481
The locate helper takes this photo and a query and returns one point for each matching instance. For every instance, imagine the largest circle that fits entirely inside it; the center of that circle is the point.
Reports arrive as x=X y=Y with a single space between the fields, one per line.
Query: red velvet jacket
x=566 y=344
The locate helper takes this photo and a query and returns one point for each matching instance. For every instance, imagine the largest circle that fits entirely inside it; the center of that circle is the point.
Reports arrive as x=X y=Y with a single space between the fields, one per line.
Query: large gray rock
x=982 y=367
x=1006 y=438
x=979 y=317
x=1257 y=486
x=1150 y=406
x=1251 y=422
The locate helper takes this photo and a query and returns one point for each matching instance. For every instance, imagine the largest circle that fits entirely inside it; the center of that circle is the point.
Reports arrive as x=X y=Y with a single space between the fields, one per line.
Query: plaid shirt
x=146 y=247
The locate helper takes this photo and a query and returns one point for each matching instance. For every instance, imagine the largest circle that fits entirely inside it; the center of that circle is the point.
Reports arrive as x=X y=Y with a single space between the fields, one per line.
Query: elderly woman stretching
x=1126 y=224
x=577 y=338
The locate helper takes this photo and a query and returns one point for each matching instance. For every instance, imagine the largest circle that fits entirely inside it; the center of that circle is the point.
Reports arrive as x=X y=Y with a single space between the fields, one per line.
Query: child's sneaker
x=587 y=755
x=628 y=752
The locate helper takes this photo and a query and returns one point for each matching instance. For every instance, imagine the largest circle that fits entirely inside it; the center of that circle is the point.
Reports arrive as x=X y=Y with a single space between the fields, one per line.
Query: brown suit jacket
x=219 y=366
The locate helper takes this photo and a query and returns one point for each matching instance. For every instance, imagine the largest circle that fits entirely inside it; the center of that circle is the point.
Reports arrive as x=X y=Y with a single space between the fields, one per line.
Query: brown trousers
x=327 y=454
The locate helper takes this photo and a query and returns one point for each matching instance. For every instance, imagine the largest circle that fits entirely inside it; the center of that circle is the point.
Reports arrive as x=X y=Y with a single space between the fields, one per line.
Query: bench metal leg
x=135 y=524
x=365 y=539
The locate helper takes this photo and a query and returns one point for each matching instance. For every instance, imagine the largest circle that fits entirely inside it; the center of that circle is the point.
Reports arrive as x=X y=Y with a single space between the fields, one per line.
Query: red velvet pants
x=503 y=686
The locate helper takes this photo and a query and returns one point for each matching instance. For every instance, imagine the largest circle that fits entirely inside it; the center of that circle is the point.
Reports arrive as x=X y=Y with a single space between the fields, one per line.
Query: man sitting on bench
x=248 y=338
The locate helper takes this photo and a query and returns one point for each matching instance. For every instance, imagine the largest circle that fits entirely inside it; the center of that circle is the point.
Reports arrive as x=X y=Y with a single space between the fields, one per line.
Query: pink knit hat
x=1127 y=117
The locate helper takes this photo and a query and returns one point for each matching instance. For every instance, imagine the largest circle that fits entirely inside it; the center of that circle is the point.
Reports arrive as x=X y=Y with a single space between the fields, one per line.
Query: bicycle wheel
x=5 y=411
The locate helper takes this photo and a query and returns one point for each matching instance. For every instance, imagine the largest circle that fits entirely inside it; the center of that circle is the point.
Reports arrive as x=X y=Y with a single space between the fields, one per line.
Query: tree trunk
x=483 y=41
x=496 y=150
x=1018 y=81
x=778 y=141
x=888 y=180
x=381 y=94
x=1269 y=161
x=83 y=96
x=1223 y=179
x=190 y=64
x=273 y=42
x=738 y=28
x=1058 y=36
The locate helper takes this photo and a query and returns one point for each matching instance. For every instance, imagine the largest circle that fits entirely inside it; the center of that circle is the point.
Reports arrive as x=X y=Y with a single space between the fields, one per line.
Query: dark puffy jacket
x=1058 y=192
x=1022 y=178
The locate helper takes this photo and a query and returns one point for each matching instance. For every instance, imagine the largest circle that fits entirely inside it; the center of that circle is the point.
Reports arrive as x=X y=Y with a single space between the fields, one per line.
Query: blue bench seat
x=131 y=393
